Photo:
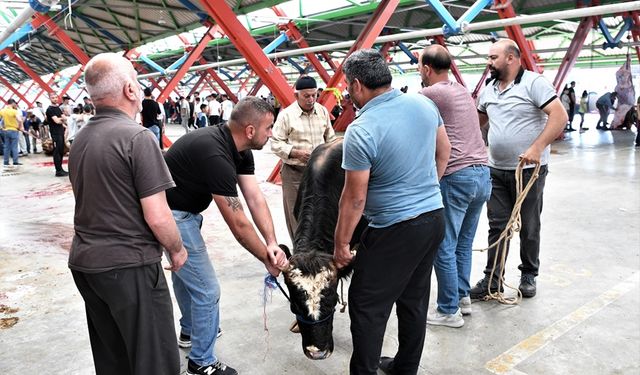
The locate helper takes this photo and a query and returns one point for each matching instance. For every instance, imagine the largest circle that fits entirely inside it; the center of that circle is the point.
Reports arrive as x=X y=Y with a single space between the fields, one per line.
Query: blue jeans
x=197 y=290
x=464 y=192
x=11 y=146
x=155 y=129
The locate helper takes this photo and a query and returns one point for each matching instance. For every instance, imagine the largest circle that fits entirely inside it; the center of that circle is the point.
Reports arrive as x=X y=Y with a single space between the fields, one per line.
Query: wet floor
x=584 y=320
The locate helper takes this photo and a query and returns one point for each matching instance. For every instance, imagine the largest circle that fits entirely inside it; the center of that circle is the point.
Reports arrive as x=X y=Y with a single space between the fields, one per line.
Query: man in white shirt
x=227 y=107
x=214 y=110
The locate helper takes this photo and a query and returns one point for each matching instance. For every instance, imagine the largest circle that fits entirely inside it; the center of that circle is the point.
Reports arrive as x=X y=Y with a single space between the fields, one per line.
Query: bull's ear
x=286 y=250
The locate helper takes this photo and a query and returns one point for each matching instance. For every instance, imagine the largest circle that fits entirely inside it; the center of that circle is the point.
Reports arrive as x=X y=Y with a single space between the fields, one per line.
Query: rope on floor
x=513 y=225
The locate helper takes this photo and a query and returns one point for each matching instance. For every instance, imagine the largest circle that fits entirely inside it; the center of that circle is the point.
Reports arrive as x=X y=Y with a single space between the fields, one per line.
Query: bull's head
x=312 y=280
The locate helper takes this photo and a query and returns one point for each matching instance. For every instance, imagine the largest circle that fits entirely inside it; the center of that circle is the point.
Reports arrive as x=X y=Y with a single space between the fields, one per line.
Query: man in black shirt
x=150 y=112
x=206 y=165
x=57 y=124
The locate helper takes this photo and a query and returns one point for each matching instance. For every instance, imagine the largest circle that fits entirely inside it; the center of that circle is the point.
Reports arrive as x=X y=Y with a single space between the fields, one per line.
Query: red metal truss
x=73 y=80
x=294 y=35
x=50 y=82
x=193 y=56
x=256 y=87
x=573 y=52
x=34 y=76
x=454 y=67
x=249 y=48
x=244 y=83
x=505 y=10
x=371 y=31
x=480 y=84
x=56 y=32
x=9 y=86
x=212 y=85
x=232 y=96
x=201 y=80
x=635 y=32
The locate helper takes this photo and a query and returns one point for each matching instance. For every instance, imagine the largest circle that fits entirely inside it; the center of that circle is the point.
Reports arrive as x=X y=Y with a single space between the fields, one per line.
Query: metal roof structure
x=97 y=26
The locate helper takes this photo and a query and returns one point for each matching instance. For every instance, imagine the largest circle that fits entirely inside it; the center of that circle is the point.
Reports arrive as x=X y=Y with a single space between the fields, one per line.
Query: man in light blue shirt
x=394 y=153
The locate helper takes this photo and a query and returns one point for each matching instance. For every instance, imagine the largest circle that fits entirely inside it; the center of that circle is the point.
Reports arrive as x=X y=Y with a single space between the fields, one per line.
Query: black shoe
x=17 y=163
x=481 y=289
x=62 y=173
x=527 y=286
x=217 y=368
x=386 y=365
x=184 y=341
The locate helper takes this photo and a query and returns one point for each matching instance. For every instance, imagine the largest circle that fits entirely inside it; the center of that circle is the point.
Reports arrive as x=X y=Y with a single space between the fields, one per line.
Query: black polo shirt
x=205 y=162
x=54 y=111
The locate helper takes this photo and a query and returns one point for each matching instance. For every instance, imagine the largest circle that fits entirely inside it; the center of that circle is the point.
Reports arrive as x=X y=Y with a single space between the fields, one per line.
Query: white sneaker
x=448 y=320
x=465 y=305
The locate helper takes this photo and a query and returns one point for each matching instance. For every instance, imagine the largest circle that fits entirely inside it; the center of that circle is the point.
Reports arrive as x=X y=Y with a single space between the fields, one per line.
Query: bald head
x=106 y=75
x=508 y=47
x=436 y=57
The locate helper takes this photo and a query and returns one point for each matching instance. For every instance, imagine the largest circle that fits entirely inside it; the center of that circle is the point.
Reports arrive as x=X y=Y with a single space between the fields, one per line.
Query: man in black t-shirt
x=206 y=165
x=150 y=113
x=57 y=122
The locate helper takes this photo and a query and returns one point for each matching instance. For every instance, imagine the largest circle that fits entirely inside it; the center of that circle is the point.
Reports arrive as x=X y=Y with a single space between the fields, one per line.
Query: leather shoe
x=62 y=173
x=481 y=289
x=527 y=286
x=386 y=365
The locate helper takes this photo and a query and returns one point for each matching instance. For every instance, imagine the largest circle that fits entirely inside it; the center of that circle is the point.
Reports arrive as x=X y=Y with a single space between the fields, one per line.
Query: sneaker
x=448 y=320
x=527 y=286
x=217 y=368
x=18 y=163
x=481 y=289
x=386 y=365
x=465 y=305
x=184 y=341
x=62 y=173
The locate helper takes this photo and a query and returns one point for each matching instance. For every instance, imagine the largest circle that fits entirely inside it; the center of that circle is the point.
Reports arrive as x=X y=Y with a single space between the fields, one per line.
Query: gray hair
x=369 y=67
x=250 y=110
x=106 y=74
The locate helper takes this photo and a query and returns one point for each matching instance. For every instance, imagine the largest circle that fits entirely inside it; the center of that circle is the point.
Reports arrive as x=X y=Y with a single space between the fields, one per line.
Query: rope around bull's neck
x=513 y=225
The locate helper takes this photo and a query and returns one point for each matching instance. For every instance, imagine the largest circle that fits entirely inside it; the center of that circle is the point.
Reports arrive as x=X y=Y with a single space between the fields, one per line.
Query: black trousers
x=130 y=319
x=393 y=265
x=214 y=120
x=58 y=150
x=499 y=207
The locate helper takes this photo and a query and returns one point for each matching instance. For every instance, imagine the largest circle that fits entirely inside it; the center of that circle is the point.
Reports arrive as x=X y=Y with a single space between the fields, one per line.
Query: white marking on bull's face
x=312 y=285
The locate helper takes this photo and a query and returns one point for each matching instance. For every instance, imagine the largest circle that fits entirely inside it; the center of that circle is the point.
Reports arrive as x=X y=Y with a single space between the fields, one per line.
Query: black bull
x=312 y=278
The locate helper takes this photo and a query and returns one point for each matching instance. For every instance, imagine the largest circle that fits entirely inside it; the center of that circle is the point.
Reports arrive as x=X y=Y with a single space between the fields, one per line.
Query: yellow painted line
x=506 y=362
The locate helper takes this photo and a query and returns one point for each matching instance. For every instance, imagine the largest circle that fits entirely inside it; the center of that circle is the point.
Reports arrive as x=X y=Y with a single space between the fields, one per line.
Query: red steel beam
x=371 y=31
x=480 y=84
x=212 y=86
x=8 y=85
x=254 y=90
x=505 y=10
x=34 y=76
x=40 y=19
x=193 y=56
x=201 y=80
x=250 y=50
x=72 y=81
x=569 y=59
x=243 y=85
x=50 y=82
x=454 y=67
x=329 y=60
x=232 y=96
x=635 y=32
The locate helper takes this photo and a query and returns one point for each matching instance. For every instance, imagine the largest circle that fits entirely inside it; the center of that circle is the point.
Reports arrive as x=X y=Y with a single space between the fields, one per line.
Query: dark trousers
x=572 y=112
x=604 y=115
x=58 y=150
x=499 y=207
x=130 y=319
x=393 y=265
x=291 y=177
x=214 y=120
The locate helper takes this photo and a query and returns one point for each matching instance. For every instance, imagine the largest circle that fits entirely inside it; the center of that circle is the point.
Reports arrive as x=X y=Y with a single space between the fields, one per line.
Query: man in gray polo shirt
x=525 y=116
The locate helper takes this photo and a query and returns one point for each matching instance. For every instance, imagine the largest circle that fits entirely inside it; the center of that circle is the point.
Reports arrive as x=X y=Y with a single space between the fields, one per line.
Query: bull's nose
x=314 y=353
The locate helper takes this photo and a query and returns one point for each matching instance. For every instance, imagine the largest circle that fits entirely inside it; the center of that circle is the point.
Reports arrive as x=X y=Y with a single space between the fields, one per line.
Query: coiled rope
x=513 y=225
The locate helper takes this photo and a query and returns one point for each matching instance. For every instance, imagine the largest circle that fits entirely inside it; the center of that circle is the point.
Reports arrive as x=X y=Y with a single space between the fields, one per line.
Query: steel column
x=573 y=52
x=193 y=56
x=454 y=67
x=505 y=10
x=367 y=37
x=635 y=31
x=249 y=48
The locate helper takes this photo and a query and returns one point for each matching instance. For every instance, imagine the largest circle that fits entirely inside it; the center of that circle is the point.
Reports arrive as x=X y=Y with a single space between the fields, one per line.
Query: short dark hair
x=11 y=101
x=147 y=91
x=87 y=108
x=249 y=110
x=203 y=106
x=438 y=59
x=369 y=67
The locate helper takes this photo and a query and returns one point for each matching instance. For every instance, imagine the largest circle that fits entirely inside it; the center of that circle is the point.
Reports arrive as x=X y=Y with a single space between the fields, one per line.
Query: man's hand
x=277 y=260
x=302 y=155
x=342 y=256
x=532 y=155
x=177 y=260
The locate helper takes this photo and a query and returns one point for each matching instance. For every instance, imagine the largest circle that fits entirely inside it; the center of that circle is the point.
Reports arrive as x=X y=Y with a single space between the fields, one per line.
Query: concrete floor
x=584 y=320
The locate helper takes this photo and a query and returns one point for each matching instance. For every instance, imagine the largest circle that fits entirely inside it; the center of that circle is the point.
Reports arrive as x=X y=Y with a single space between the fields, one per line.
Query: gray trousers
x=291 y=177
